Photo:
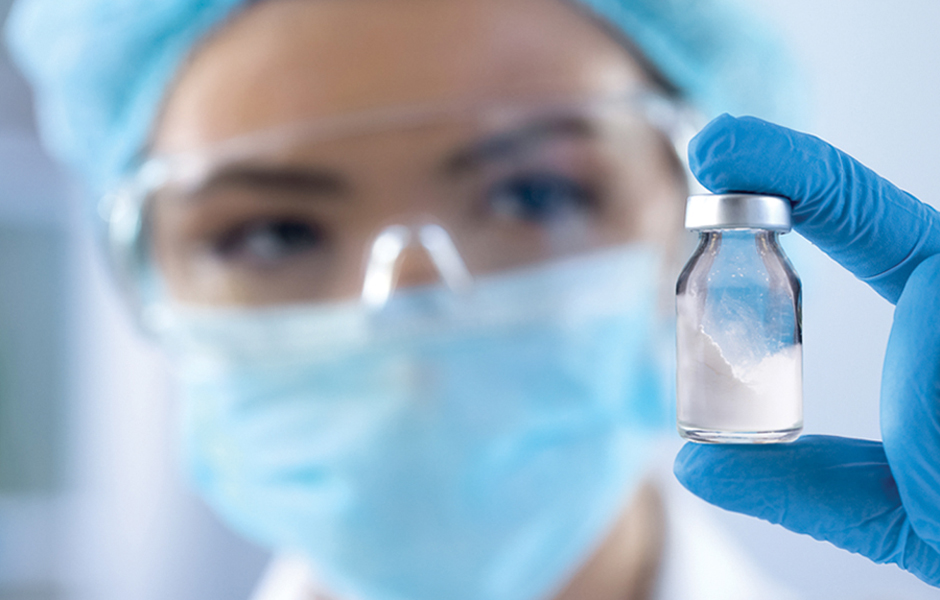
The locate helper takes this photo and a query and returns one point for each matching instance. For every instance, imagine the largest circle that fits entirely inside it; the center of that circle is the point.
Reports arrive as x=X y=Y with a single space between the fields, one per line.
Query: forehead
x=287 y=60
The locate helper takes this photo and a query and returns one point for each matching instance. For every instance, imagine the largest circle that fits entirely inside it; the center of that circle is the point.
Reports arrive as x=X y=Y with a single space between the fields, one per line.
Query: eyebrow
x=276 y=178
x=322 y=182
x=506 y=144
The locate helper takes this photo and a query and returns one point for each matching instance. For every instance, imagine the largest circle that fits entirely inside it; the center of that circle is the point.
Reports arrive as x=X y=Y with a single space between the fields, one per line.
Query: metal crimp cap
x=738 y=211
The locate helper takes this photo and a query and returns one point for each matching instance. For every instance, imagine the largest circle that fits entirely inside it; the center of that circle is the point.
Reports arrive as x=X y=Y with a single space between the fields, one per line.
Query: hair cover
x=100 y=68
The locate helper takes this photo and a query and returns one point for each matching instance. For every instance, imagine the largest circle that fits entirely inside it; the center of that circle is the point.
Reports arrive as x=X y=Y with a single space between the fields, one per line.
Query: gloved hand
x=881 y=500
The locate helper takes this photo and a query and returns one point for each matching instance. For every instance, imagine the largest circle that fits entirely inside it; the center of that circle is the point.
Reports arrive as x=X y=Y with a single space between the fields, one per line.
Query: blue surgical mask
x=469 y=448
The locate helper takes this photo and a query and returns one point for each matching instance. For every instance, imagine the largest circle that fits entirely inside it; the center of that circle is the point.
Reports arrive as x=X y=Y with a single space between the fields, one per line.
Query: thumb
x=835 y=489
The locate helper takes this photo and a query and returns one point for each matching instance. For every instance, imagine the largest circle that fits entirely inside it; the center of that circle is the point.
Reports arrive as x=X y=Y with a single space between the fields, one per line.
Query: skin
x=288 y=61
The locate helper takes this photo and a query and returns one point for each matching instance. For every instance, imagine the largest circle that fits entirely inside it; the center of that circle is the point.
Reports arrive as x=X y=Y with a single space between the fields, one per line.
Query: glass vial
x=738 y=333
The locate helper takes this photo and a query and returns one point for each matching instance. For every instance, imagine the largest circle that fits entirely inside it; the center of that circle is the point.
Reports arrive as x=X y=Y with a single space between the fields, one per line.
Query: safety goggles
x=359 y=205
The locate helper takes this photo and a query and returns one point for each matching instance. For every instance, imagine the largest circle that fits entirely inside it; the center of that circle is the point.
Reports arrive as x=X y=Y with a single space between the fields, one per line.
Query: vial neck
x=728 y=238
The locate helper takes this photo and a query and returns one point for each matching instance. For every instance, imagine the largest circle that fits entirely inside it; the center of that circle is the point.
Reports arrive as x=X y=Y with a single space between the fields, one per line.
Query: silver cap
x=738 y=211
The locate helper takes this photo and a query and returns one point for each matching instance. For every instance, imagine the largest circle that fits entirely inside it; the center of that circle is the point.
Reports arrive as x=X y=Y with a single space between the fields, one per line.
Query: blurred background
x=91 y=501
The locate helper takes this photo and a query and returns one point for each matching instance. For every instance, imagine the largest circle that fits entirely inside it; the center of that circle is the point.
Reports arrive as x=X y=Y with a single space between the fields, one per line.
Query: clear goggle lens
x=361 y=205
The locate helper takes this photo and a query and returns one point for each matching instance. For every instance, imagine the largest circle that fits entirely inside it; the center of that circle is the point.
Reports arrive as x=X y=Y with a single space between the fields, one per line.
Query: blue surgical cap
x=100 y=68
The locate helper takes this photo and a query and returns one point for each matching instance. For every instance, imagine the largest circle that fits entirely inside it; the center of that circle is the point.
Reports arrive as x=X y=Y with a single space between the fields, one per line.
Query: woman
x=411 y=259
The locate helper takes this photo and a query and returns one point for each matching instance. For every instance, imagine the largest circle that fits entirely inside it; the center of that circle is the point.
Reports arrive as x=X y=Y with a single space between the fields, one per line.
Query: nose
x=415 y=267
x=403 y=256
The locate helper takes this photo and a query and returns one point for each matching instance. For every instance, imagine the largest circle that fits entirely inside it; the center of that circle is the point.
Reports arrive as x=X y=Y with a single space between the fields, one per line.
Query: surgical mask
x=473 y=446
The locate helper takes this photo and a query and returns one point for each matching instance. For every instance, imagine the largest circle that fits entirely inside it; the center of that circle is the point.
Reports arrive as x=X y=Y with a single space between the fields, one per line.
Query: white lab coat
x=700 y=561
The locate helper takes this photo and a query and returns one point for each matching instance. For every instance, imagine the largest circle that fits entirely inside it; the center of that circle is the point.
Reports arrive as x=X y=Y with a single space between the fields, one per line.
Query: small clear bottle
x=738 y=332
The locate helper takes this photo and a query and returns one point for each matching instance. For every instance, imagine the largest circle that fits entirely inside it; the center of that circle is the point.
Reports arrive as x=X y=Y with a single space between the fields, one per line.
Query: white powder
x=715 y=395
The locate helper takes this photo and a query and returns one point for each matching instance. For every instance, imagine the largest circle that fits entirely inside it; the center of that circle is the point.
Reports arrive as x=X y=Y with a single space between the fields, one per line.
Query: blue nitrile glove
x=881 y=500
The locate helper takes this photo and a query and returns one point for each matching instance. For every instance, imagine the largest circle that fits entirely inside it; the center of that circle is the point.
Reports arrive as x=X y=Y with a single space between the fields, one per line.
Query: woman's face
x=294 y=220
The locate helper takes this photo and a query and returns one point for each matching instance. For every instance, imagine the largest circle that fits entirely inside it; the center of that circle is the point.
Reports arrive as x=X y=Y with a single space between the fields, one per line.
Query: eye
x=540 y=197
x=265 y=242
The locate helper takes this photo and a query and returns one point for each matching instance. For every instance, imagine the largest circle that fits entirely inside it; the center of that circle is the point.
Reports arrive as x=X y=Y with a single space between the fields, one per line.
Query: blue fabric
x=880 y=499
x=478 y=456
x=722 y=57
x=100 y=68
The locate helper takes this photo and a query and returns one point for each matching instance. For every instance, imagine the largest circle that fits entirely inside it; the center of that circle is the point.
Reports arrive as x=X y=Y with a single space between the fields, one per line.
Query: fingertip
x=720 y=155
x=706 y=149
x=693 y=465
x=704 y=469
x=700 y=145
x=680 y=466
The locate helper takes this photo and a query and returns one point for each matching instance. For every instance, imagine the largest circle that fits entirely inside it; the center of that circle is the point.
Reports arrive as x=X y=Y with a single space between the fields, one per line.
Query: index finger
x=872 y=228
